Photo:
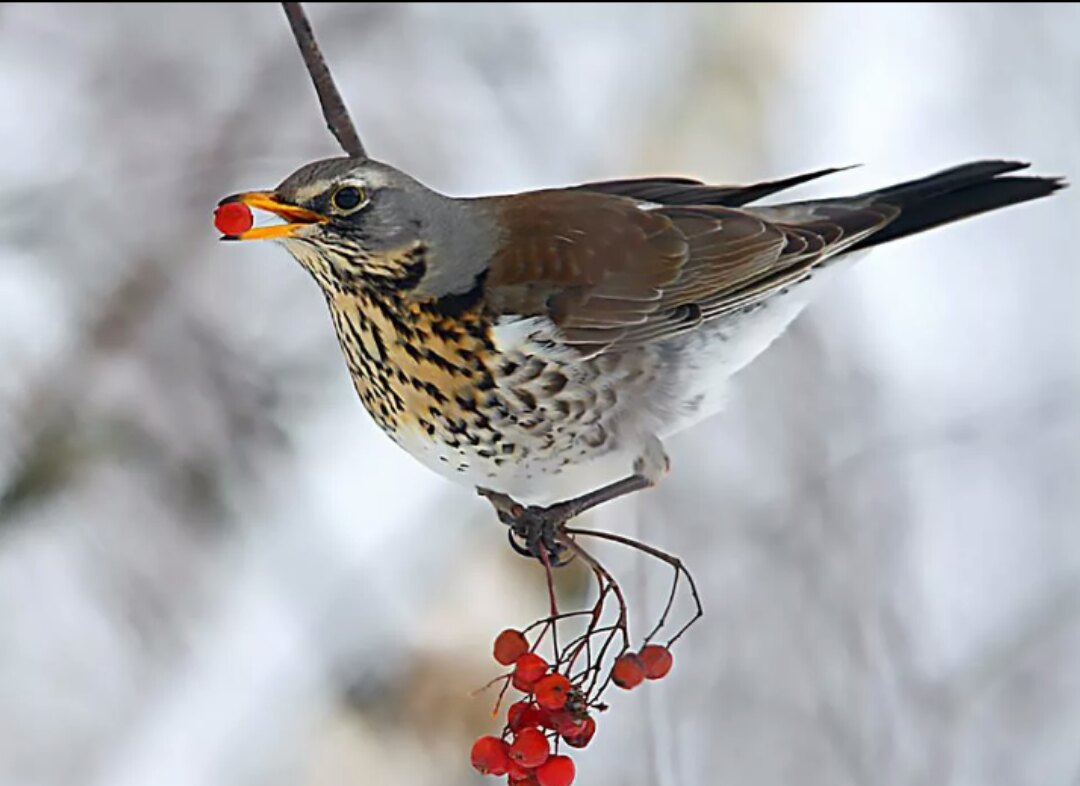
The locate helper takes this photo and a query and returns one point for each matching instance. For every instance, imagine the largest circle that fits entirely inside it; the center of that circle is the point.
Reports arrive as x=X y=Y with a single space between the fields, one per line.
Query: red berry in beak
x=233 y=218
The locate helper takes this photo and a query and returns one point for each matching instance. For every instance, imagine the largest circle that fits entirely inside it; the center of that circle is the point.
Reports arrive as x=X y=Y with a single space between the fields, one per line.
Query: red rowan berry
x=490 y=756
x=557 y=720
x=580 y=734
x=628 y=671
x=556 y=771
x=233 y=218
x=509 y=646
x=551 y=691
x=515 y=773
x=524 y=715
x=530 y=748
x=657 y=661
x=530 y=667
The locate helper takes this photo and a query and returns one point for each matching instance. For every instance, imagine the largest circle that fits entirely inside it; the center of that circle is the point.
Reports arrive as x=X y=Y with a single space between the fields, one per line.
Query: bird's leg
x=535 y=530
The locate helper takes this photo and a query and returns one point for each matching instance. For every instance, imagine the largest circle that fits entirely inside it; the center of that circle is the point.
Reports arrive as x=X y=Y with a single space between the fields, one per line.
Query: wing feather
x=611 y=272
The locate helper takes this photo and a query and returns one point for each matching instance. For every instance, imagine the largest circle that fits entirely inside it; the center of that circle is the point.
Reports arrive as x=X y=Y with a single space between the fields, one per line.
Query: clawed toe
x=534 y=531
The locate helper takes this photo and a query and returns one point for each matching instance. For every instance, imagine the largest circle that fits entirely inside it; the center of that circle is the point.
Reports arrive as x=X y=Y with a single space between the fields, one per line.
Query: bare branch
x=333 y=106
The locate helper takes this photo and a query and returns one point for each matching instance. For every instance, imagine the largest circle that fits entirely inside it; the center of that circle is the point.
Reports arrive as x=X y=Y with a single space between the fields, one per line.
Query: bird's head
x=349 y=219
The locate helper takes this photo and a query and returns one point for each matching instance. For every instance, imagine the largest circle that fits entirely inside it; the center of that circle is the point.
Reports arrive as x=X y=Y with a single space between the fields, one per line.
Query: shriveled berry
x=509 y=646
x=581 y=734
x=628 y=671
x=529 y=668
x=490 y=756
x=551 y=691
x=556 y=771
x=657 y=661
x=530 y=748
x=233 y=218
x=524 y=715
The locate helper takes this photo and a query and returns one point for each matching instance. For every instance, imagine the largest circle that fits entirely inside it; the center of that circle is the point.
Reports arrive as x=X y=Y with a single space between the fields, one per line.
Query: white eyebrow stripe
x=311 y=191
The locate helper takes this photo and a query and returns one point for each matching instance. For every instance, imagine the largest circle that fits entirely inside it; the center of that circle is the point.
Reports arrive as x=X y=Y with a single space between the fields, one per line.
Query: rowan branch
x=333 y=106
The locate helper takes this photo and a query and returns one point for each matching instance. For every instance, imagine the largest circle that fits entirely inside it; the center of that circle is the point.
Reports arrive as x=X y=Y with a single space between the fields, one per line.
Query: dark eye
x=348 y=198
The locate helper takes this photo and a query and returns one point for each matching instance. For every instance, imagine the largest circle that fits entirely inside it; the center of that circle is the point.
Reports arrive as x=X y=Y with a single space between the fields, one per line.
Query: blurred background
x=215 y=570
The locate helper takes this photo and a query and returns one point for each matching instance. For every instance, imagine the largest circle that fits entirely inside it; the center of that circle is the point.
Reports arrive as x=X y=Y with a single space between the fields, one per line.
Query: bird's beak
x=295 y=217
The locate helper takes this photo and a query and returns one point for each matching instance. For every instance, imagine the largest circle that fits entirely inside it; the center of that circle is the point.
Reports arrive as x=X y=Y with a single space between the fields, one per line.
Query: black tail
x=956 y=193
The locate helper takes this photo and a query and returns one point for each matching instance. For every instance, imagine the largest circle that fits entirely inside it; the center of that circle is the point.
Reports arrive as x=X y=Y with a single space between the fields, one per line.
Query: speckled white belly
x=569 y=425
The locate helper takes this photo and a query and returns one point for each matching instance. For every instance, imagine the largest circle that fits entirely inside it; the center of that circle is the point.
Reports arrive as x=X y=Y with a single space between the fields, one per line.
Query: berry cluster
x=590 y=649
x=557 y=706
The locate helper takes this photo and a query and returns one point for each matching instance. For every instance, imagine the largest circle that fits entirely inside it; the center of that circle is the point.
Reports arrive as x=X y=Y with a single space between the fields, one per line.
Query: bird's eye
x=348 y=198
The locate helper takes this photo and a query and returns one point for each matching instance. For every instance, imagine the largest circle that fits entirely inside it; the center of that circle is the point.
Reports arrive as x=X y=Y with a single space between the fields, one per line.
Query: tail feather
x=957 y=193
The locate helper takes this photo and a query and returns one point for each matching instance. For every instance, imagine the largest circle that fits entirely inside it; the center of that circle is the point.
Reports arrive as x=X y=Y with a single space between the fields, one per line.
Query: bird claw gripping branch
x=533 y=531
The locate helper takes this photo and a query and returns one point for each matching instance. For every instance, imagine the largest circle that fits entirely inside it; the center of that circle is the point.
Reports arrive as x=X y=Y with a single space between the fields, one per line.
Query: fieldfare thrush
x=507 y=340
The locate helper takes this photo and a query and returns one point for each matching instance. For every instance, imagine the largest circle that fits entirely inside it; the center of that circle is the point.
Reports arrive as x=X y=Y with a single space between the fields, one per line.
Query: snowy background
x=215 y=570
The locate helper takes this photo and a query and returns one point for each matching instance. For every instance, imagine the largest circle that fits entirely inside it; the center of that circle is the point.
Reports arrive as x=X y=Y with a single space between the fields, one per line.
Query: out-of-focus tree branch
x=44 y=432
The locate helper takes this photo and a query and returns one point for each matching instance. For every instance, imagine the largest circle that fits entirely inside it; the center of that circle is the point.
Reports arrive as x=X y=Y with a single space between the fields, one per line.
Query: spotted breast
x=475 y=400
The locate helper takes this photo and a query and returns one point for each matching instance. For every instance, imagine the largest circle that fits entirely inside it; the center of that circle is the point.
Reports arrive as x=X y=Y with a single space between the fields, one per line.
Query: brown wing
x=612 y=273
x=596 y=265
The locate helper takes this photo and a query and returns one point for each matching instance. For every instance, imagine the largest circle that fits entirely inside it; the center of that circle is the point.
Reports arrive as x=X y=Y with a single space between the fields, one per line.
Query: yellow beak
x=296 y=217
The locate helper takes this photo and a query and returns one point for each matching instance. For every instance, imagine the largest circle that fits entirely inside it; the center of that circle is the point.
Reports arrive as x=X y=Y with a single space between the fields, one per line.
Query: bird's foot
x=534 y=531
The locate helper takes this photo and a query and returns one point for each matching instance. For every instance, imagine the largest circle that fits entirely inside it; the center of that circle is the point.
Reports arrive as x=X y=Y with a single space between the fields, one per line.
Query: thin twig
x=606 y=582
x=672 y=561
x=505 y=680
x=553 y=602
x=333 y=106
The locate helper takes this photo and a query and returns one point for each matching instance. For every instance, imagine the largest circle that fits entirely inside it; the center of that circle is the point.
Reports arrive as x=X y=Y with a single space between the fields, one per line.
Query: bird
x=512 y=342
